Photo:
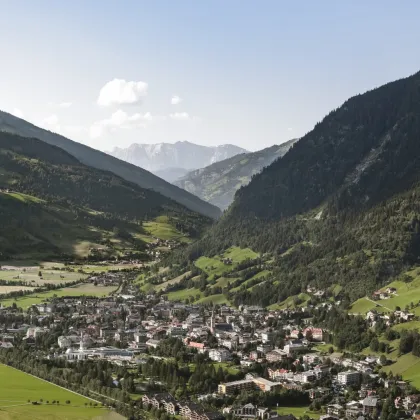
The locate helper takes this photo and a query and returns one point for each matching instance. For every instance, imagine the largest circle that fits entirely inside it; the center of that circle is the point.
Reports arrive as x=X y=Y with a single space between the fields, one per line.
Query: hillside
x=340 y=208
x=219 y=182
x=181 y=155
x=171 y=174
x=51 y=203
x=103 y=161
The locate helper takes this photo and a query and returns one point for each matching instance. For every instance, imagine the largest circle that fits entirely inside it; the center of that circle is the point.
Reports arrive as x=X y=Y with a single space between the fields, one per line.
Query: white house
x=219 y=355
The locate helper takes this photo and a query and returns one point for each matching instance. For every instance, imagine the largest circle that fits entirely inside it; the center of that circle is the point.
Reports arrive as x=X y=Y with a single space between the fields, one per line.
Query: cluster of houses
x=126 y=329
x=384 y=294
x=193 y=411
x=187 y=409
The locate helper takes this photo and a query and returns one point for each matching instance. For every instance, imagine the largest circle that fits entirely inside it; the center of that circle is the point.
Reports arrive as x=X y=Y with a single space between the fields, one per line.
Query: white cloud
x=17 y=113
x=180 y=116
x=120 y=91
x=175 y=100
x=121 y=120
x=65 y=104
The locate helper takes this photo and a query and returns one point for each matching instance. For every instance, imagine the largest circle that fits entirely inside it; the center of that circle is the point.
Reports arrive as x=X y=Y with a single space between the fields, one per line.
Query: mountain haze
x=182 y=154
x=100 y=160
x=218 y=182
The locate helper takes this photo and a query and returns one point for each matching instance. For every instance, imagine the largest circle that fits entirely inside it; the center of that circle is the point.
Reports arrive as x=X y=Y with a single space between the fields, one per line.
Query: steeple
x=212 y=322
x=82 y=344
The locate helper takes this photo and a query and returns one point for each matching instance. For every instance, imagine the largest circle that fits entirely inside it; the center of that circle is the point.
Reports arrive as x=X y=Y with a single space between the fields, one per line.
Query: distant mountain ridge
x=100 y=160
x=219 y=182
x=182 y=154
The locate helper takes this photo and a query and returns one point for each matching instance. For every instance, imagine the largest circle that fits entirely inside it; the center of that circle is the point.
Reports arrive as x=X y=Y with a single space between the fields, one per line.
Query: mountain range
x=52 y=204
x=181 y=155
x=218 y=182
x=103 y=161
x=341 y=209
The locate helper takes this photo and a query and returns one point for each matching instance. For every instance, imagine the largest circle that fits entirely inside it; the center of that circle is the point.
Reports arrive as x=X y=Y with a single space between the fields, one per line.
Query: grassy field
x=16 y=388
x=9 y=289
x=215 y=299
x=290 y=302
x=215 y=266
x=230 y=368
x=167 y=283
x=184 y=294
x=261 y=274
x=407 y=293
x=411 y=325
x=86 y=289
x=297 y=412
x=162 y=229
x=362 y=306
x=31 y=275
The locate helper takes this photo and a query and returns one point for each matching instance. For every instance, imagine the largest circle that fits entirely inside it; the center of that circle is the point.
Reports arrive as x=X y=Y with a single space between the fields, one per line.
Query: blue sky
x=251 y=73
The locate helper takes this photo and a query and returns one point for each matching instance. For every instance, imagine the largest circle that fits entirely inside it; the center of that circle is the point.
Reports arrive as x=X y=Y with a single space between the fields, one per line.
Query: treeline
x=98 y=379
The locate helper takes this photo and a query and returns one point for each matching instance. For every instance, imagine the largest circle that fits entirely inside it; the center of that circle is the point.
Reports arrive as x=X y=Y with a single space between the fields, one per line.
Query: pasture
x=37 y=276
x=85 y=289
x=215 y=265
x=17 y=388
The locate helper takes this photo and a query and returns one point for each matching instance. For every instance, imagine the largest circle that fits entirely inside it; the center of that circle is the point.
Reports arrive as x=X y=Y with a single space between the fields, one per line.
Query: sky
x=251 y=73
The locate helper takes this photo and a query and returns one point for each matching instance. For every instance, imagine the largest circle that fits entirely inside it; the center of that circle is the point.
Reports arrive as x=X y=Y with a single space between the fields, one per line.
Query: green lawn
x=232 y=369
x=25 y=198
x=290 y=303
x=336 y=289
x=16 y=388
x=79 y=290
x=297 y=412
x=167 y=283
x=215 y=266
x=362 y=306
x=411 y=325
x=259 y=275
x=412 y=374
x=407 y=293
x=162 y=229
x=49 y=276
x=394 y=349
x=402 y=364
x=183 y=294
x=219 y=299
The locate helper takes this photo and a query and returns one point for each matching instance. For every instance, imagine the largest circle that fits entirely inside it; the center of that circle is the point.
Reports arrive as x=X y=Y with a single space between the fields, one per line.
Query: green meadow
x=86 y=289
x=16 y=388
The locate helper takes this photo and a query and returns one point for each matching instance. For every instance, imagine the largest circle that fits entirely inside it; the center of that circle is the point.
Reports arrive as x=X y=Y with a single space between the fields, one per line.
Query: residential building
x=369 y=405
x=335 y=410
x=219 y=355
x=349 y=378
x=236 y=386
x=276 y=355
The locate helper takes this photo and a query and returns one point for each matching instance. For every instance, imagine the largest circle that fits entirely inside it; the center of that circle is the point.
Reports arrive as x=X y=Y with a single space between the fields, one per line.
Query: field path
x=379 y=304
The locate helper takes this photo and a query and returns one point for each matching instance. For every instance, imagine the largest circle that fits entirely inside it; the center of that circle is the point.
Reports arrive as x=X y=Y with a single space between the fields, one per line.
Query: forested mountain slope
x=341 y=207
x=103 y=161
x=51 y=202
x=218 y=182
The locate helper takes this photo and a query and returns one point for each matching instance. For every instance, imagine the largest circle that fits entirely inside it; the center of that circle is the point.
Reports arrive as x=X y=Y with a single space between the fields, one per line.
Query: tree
x=374 y=344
